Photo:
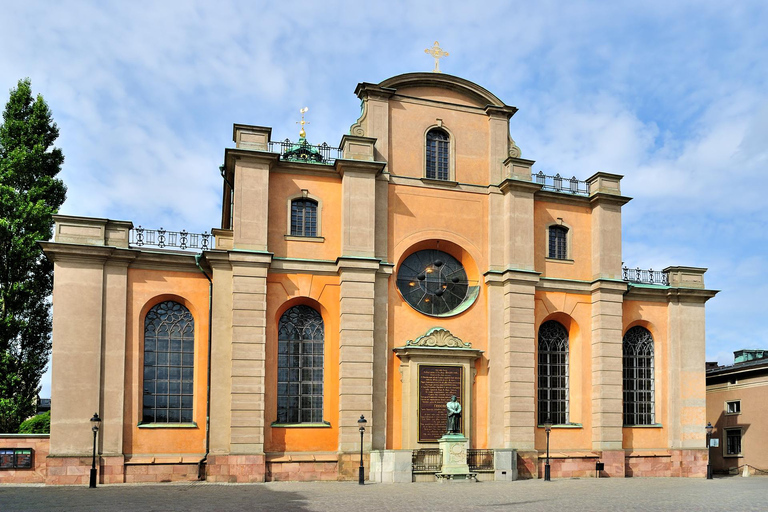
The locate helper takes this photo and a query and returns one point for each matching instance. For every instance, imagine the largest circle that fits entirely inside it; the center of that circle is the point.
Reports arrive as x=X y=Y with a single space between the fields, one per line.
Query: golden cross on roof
x=437 y=53
x=303 y=111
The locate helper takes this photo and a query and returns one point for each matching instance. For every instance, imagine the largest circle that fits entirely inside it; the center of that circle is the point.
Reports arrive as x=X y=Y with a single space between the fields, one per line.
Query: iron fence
x=642 y=276
x=427 y=460
x=303 y=151
x=558 y=183
x=162 y=238
x=480 y=460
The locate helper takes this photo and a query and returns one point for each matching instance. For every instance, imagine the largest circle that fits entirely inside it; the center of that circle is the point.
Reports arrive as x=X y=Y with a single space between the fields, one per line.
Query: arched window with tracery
x=300 y=344
x=638 y=377
x=303 y=217
x=169 y=364
x=558 y=242
x=438 y=154
x=553 y=373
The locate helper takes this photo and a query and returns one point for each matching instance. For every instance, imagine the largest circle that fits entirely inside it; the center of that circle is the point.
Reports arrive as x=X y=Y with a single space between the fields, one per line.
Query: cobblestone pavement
x=732 y=494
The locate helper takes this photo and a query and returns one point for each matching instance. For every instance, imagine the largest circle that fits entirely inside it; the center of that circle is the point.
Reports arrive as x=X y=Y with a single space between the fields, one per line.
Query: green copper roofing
x=303 y=151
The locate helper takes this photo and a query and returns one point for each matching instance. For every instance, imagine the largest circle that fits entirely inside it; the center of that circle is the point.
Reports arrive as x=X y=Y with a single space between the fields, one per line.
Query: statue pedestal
x=454 y=452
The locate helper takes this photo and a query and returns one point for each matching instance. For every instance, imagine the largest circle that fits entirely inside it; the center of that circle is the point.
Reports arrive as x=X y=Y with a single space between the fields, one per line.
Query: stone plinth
x=454 y=452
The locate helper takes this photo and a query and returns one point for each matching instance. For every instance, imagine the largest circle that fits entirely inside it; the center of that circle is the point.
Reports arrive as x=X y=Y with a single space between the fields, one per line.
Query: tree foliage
x=40 y=424
x=30 y=194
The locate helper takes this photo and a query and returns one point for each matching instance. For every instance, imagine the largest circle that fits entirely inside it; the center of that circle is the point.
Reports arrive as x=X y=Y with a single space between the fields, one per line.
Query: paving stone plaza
x=732 y=494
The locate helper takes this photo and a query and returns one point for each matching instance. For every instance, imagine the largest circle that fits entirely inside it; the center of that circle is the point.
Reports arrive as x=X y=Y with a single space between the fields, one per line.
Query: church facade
x=422 y=259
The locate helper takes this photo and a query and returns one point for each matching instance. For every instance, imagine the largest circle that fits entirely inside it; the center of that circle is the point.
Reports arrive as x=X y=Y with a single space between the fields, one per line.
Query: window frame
x=566 y=230
x=726 y=452
x=735 y=402
x=286 y=352
x=636 y=390
x=187 y=361
x=565 y=366
x=451 y=155
x=304 y=195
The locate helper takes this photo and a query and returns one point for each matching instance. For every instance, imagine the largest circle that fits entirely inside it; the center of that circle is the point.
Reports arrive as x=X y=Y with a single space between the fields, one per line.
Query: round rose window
x=435 y=283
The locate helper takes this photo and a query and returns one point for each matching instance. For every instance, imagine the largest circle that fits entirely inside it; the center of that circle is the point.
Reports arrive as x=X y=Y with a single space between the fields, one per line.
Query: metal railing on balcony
x=140 y=237
x=480 y=460
x=303 y=151
x=642 y=276
x=561 y=184
x=427 y=460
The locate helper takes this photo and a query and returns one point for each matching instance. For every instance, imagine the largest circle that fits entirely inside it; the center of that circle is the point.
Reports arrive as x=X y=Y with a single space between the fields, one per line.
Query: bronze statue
x=454 y=416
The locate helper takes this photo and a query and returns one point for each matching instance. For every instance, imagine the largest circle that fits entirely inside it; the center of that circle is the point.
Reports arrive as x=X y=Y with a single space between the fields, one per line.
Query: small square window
x=733 y=407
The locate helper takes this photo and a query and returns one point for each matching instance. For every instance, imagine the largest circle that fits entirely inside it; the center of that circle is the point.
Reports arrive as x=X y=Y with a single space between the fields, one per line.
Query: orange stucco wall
x=469 y=138
x=654 y=317
x=574 y=312
x=577 y=220
x=322 y=293
x=327 y=190
x=145 y=289
x=415 y=224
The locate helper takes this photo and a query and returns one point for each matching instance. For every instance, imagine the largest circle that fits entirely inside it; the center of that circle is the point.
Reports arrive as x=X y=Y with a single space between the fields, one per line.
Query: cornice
x=515 y=184
x=600 y=198
x=561 y=198
x=372 y=168
x=693 y=295
x=553 y=284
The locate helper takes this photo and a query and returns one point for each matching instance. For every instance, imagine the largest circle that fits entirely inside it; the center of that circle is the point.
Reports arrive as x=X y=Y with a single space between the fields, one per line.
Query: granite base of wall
x=527 y=465
x=40 y=444
x=159 y=473
x=236 y=468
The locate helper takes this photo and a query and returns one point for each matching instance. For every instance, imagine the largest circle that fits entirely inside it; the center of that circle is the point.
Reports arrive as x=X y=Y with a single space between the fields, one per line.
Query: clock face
x=434 y=283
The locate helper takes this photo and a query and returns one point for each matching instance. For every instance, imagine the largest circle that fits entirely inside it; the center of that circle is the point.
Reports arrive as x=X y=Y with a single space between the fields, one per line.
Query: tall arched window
x=558 y=248
x=300 y=338
x=169 y=358
x=438 y=151
x=303 y=217
x=638 y=377
x=553 y=373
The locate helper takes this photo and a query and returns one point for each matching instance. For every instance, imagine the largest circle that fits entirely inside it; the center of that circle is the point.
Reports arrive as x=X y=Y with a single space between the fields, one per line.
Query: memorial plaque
x=436 y=385
x=7 y=459
x=24 y=459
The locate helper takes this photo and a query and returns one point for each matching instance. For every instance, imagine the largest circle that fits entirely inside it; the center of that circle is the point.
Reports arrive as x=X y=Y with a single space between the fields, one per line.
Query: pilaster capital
x=613 y=286
x=358 y=168
x=250 y=258
x=512 y=276
x=359 y=264
x=514 y=184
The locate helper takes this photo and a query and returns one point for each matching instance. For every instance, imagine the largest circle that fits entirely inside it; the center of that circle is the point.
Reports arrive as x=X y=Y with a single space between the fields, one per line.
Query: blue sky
x=672 y=95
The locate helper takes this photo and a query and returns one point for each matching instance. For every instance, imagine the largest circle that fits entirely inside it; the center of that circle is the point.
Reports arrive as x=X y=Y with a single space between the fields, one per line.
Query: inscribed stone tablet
x=436 y=385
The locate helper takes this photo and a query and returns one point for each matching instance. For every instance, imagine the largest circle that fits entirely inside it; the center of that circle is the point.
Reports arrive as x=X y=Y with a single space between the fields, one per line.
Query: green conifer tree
x=29 y=196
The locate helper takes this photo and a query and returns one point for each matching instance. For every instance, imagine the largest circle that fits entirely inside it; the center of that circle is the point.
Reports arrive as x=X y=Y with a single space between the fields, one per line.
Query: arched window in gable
x=638 y=377
x=304 y=217
x=169 y=357
x=438 y=154
x=553 y=373
x=300 y=347
x=558 y=242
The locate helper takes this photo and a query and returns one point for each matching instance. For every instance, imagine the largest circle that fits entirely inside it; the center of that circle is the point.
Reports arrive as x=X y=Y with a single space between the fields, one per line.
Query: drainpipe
x=204 y=460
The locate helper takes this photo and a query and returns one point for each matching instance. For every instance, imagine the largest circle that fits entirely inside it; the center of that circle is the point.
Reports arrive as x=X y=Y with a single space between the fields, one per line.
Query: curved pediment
x=438 y=337
x=473 y=92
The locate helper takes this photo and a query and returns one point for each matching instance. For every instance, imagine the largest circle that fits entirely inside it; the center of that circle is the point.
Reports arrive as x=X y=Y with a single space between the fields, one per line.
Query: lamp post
x=709 y=428
x=95 y=422
x=547 y=429
x=361 y=475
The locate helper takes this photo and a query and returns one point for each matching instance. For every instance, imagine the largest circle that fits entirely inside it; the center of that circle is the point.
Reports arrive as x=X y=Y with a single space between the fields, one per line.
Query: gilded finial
x=437 y=53
x=302 y=133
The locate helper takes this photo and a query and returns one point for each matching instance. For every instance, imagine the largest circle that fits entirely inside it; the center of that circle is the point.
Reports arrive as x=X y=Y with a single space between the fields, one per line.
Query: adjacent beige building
x=422 y=258
x=738 y=411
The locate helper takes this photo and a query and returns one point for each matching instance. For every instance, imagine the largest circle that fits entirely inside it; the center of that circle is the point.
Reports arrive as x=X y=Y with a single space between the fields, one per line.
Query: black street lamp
x=709 y=428
x=361 y=475
x=95 y=422
x=547 y=429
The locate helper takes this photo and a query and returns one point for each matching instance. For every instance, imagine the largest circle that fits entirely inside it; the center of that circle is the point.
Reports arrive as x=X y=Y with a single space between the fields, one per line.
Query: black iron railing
x=427 y=460
x=650 y=276
x=480 y=460
x=305 y=152
x=139 y=237
x=561 y=184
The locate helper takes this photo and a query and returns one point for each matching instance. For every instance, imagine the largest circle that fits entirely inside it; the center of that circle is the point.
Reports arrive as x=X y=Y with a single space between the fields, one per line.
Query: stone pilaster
x=249 y=308
x=221 y=353
x=251 y=197
x=686 y=357
x=518 y=223
x=607 y=364
x=606 y=201
x=356 y=349
x=381 y=355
